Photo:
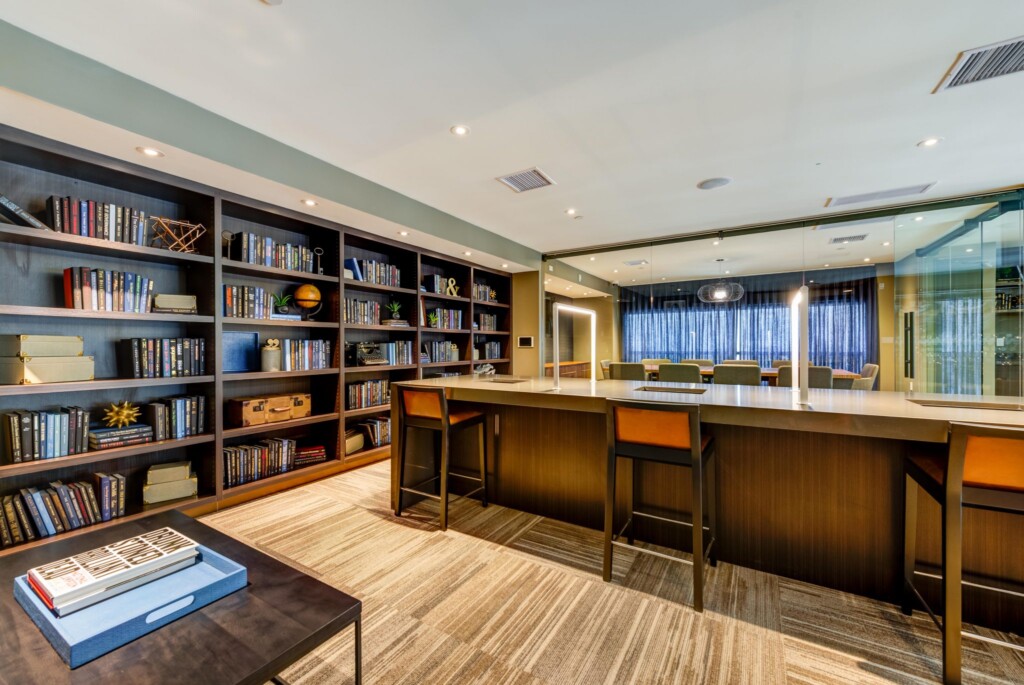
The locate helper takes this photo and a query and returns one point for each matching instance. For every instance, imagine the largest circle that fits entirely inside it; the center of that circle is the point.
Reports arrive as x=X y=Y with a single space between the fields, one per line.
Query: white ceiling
x=626 y=105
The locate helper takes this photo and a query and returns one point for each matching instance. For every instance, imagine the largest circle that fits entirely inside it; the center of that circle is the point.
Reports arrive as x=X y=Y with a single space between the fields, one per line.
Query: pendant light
x=721 y=291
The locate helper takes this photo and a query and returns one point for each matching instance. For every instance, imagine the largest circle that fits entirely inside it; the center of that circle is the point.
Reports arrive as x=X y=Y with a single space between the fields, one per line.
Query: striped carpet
x=508 y=597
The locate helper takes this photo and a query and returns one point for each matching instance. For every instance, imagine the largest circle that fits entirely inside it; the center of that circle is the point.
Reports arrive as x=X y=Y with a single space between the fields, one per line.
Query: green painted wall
x=48 y=72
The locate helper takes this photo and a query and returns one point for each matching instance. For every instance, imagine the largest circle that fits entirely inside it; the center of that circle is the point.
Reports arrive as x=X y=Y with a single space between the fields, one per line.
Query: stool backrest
x=737 y=374
x=698 y=362
x=776 y=363
x=627 y=371
x=422 y=403
x=661 y=431
x=990 y=458
x=679 y=373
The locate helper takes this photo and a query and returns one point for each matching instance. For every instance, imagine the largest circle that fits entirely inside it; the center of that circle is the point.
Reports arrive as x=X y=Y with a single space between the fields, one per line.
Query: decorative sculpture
x=174 y=235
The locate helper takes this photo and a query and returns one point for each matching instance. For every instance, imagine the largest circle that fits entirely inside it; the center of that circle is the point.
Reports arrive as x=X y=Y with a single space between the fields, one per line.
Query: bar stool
x=668 y=433
x=428 y=408
x=985 y=470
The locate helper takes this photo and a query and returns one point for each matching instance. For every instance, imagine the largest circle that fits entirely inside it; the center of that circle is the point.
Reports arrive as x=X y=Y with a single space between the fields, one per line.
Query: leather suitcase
x=247 y=411
x=32 y=370
x=279 y=408
x=41 y=346
x=302 y=405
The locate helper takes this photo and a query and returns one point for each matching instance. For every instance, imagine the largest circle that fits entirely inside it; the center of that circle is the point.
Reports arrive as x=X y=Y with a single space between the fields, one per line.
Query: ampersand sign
x=451 y=289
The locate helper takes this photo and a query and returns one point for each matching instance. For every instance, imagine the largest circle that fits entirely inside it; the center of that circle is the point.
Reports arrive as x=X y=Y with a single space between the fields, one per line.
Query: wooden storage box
x=41 y=346
x=254 y=411
x=32 y=370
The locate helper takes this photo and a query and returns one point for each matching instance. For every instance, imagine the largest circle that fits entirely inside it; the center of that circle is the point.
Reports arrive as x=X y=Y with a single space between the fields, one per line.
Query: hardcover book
x=76 y=582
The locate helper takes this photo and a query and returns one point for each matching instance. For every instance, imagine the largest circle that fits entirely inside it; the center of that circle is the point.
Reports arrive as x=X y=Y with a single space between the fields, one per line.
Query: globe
x=307 y=296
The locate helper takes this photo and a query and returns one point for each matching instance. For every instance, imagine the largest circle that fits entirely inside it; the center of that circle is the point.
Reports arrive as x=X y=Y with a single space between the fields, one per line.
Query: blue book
x=353 y=266
x=64 y=420
x=37 y=497
x=92 y=632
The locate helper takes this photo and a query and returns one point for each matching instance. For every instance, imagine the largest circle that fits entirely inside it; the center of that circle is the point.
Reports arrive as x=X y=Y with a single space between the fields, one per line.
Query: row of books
x=435 y=283
x=305 y=355
x=482 y=293
x=377 y=430
x=487 y=322
x=397 y=352
x=106 y=291
x=372 y=271
x=367 y=394
x=442 y=374
x=102 y=220
x=245 y=463
x=362 y=312
x=490 y=350
x=265 y=251
x=32 y=435
x=448 y=318
x=304 y=456
x=251 y=302
x=442 y=351
x=176 y=418
x=162 y=357
x=41 y=512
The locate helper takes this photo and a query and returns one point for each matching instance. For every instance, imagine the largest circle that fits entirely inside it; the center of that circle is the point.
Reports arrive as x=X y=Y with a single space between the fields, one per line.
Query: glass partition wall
x=934 y=298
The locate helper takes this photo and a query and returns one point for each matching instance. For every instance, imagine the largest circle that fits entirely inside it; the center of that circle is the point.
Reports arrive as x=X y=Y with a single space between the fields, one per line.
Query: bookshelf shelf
x=270 y=375
x=280 y=425
x=242 y=268
x=37 y=169
x=101 y=384
x=490 y=361
x=63 y=313
x=41 y=465
x=239 y=321
x=39 y=237
x=367 y=411
x=363 y=285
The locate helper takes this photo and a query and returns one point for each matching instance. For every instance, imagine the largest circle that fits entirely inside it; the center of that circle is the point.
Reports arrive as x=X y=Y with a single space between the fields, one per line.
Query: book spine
x=51 y=512
x=24 y=519
x=32 y=509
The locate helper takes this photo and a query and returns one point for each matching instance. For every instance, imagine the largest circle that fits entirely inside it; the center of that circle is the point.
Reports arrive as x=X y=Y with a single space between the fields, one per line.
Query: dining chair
x=868 y=374
x=698 y=362
x=622 y=371
x=776 y=363
x=679 y=373
x=818 y=377
x=744 y=362
x=737 y=374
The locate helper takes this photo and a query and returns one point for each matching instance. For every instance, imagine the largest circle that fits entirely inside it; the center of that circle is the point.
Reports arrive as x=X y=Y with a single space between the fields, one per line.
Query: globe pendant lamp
x=720 y=292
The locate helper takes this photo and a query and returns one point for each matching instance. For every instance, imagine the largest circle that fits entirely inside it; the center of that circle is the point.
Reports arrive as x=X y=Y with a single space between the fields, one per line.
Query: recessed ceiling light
x=567 y=287
x=846 y=242
x=811 y=281
x=149 y=151
x=571 y=211
x=468 y=253
x=634 y=280
x=504 y=266
x=970 y=249
x=867 y=259
x=712 y=183
x=663 y=278
x=929 y=142
x=593 y=259
x=826 y=265
x=615 y=271
x=885 y=244
x=309 y=202
x=403 y=233
x=726 y=271
x=547 y=281
x=460 y=130
x=715 y=243
x=918 y=218
x=586 y=293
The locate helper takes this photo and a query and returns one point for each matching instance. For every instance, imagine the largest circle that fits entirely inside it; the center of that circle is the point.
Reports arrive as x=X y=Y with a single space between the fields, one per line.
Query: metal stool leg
x=359 y=651
x=444 y=480
x=402 y=443
x=698 y=536
x=909 y=544
x=713 y=508
x=952 y=549
x=631 y=507
x=482 y=446
x=609 y=515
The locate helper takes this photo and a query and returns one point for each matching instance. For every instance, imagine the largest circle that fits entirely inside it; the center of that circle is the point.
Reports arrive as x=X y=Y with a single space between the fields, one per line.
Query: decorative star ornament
x=121 y=415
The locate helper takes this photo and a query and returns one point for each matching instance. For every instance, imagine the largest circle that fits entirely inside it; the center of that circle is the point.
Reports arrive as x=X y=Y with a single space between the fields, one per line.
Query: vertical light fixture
x=799 y=321
x=555 y=311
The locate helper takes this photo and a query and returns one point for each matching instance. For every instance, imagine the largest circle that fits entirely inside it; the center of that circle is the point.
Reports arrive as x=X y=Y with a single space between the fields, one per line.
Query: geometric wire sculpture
x=177 y=236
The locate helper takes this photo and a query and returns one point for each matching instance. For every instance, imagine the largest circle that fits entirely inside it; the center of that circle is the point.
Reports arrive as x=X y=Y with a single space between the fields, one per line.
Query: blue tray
x=92 y=632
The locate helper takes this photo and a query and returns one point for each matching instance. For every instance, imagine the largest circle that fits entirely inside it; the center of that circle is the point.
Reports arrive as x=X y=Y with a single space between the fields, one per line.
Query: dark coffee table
x=249 y=636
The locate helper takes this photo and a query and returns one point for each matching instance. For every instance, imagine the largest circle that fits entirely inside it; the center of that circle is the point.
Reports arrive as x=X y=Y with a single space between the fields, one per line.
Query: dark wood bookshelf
x=240 y=321
x=94 y=456
x=64 y=313
x=32 y=303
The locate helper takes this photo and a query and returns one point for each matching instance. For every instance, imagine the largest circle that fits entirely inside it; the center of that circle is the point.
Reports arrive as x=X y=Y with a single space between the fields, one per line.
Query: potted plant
x=433 y=319
x=396 y=320
x=281 y=302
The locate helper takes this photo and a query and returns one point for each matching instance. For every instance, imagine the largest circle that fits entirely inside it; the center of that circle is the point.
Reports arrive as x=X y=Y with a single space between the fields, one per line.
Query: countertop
x=893 y=415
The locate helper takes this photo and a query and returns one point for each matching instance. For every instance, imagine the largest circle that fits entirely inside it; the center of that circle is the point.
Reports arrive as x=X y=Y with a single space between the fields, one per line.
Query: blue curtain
x=667 y=320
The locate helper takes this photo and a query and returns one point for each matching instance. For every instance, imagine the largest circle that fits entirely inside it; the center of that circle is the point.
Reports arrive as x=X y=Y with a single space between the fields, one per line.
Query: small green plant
x=432 y=319
x=395 y=308
x=281 y=300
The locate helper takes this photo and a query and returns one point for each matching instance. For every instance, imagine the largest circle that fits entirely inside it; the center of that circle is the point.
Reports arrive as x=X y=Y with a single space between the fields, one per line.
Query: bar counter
x=809 y=492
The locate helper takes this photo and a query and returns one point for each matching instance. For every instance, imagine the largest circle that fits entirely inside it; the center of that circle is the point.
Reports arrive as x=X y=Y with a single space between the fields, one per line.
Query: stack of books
x=40 y=512
x=245 y=463
x=107 y=438
x=107 y=291
x=102 y=220
x=490 y=350
x=161 y=357
x=448 y=318
x=377 y=430
x=176 y=418
x=441 y=351
x=263 y=250
x=368 y=394
x=372 y=271
x=305 y=355
x=304 y=456
x=364 y=312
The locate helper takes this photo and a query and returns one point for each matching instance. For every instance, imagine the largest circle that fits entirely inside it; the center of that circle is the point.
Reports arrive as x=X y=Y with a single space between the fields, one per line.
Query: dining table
x=768 y=373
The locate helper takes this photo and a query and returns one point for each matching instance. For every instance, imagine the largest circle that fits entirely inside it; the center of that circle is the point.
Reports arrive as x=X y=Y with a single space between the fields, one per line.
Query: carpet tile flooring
x=506 y=597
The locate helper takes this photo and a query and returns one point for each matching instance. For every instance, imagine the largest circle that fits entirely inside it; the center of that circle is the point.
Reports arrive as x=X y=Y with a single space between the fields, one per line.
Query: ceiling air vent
x=878 y=195
x=637 y=262
x=980 y=64
x=848 y=239
x=530 y=179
